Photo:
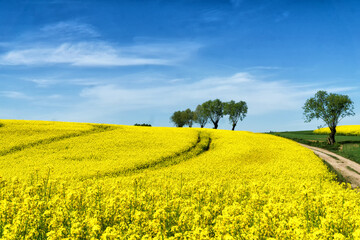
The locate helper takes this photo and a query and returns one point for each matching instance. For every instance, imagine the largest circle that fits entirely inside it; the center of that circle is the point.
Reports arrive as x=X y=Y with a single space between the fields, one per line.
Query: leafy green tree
x=214 y=109
x=189 y=117
x=200 y=116
x=236 y=111
x=331 y=108
x=178 y=118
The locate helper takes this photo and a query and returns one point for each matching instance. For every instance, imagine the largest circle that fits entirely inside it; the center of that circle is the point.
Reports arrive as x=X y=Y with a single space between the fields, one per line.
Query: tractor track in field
x=95 y=129
x=202 y=145
x=349 y=169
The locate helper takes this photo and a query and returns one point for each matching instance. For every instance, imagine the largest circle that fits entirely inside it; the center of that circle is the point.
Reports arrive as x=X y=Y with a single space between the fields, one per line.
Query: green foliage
x=214 y=109
x=182 y=118
x=331 y=108
x=236 y=111
x=200 y=116
x=189 y=117
x=178 y=118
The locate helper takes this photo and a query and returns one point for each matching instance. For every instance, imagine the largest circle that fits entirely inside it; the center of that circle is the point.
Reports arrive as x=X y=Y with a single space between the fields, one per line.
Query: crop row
x=97 y=154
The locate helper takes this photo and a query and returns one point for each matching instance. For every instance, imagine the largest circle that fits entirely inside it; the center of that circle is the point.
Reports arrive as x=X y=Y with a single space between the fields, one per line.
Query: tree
x=214 y=109
x=236 y=111
x=189 y=117
x=331 y=108
x=200 y=116
x=178 y=118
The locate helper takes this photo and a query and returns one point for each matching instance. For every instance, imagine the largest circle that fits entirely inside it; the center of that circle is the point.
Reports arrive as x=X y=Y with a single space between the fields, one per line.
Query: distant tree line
x=211 y=111
x=142 y=124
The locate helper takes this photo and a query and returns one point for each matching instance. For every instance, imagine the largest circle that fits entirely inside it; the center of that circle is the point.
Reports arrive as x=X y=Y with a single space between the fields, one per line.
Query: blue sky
x=129 y=62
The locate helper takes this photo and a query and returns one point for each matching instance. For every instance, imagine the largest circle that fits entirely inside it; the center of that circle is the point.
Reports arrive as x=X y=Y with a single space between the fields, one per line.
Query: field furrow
x=202 y=145
x=98 y=153
x=95 y=129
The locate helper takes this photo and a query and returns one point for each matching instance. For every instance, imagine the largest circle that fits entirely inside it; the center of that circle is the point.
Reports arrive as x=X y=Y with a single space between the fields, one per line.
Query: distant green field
x=347 y=146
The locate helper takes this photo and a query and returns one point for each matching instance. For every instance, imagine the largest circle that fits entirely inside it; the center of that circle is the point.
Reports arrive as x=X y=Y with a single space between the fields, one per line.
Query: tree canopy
x=214 y=109
x=189 y=117
x=200 y=116
x=182 y=118
x=236 y=111
x=178 y=119
x=331 y=108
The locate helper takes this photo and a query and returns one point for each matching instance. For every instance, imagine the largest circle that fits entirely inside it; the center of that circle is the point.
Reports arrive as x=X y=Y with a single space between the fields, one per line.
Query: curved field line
x=95 y=129
x=202 y=145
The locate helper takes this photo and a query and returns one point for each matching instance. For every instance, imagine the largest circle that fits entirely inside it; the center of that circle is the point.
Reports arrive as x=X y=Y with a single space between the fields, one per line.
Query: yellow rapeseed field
x=17 y=134
x=113 y=150
x=346 y=130
x=171 y=183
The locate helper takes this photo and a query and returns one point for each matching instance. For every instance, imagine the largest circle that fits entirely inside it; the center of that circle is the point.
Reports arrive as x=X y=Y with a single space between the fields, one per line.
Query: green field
x=347 y=146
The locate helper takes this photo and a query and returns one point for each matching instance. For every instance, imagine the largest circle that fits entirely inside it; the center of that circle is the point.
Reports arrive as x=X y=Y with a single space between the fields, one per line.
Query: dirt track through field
x=350 y=170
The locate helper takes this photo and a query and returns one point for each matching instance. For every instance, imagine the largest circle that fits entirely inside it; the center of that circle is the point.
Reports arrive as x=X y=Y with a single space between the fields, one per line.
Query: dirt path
x=350 y=170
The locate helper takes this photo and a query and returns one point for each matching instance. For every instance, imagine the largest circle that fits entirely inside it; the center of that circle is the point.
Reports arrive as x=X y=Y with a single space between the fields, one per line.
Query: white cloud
x=43 y=82
x=79 y=44
x=69 y=29
x=262 y=96
x=100 y=54
x=47 y=82
x=99 y=100
x=65 y=31
x=14 y=95
x=39 y=100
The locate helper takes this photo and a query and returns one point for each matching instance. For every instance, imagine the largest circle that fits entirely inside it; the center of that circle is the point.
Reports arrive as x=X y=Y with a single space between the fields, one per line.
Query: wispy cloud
x=78 y=44
x=58 y=32
x=262 y=96
x=47 y=82
x=15 y=95
x=98 y=99
x=112 y=101
x=43 y=82
x=100 y=54
x=69 y=29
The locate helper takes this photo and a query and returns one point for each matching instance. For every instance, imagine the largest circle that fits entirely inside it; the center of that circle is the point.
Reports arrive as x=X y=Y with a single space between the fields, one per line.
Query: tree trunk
x=216 y=124
x=201 y=126
x=331 y=139
x=233 y=126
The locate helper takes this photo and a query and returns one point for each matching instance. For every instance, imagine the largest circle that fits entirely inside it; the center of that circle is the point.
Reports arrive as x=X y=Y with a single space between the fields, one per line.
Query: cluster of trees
x=213 y=111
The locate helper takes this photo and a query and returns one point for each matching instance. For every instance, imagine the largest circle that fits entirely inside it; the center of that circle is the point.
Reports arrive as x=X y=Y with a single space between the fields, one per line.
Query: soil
x=350 y=170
